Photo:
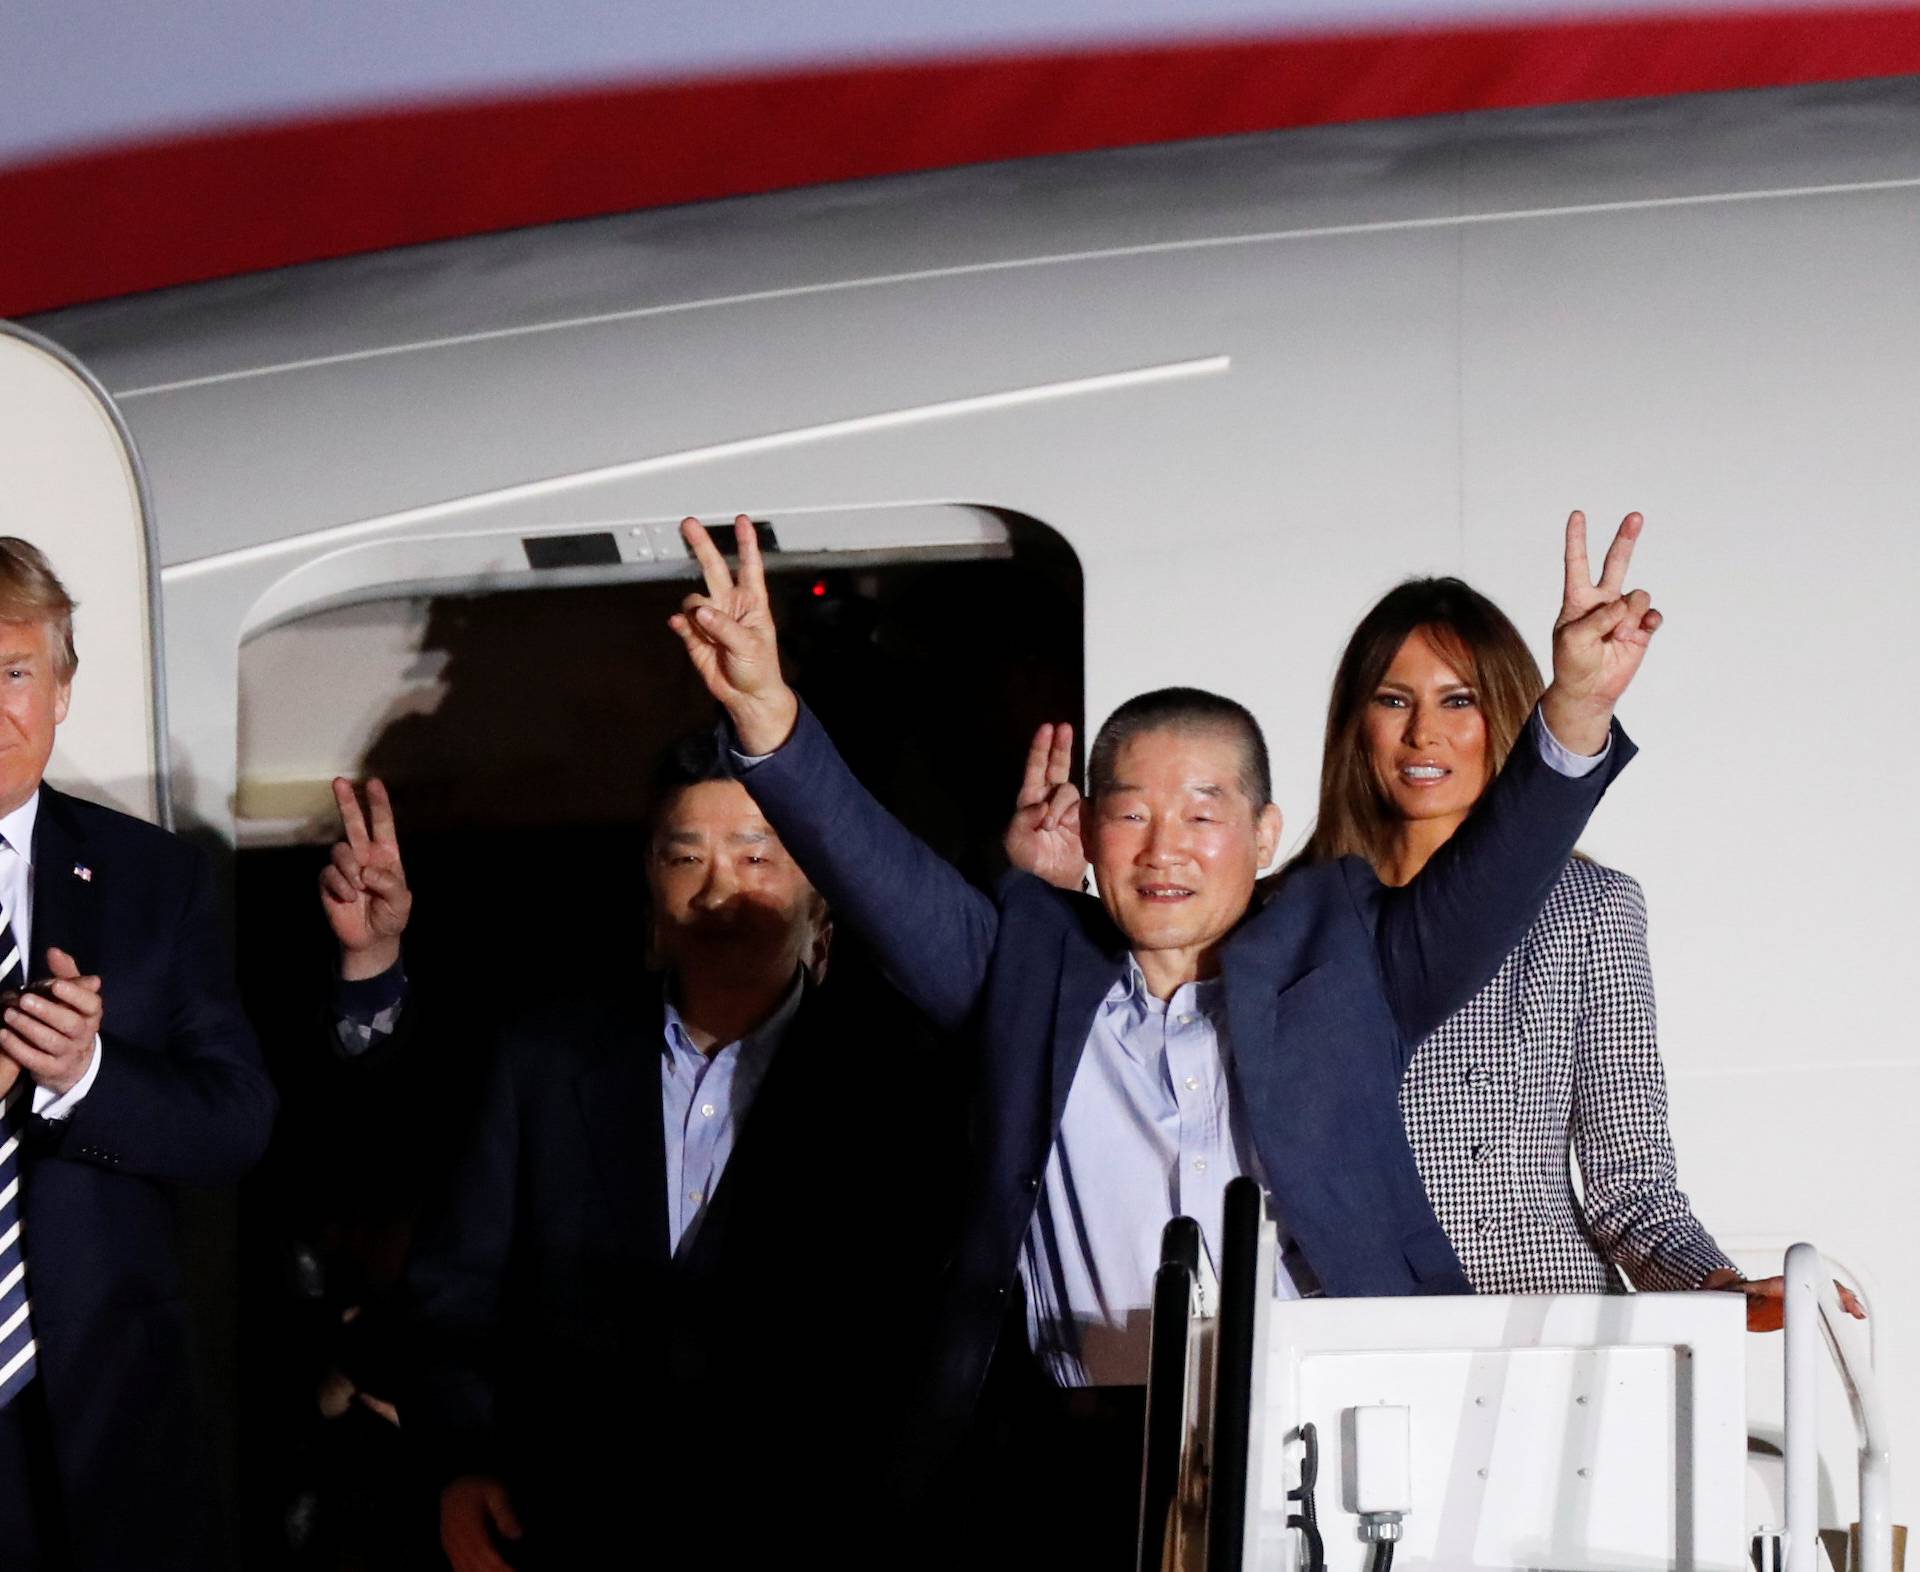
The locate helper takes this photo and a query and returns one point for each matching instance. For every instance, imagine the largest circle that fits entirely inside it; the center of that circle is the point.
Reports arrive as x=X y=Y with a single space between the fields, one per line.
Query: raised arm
x=932 y=931
x=1443 y=935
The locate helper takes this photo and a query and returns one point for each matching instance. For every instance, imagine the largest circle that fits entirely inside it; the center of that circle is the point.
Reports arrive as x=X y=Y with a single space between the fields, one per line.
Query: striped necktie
x=16 y=1330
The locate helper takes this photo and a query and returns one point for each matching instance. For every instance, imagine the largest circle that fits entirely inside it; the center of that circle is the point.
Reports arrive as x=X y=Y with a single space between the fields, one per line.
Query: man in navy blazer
x=128 y=1068
x=1135 y=1049
x=642 y=1326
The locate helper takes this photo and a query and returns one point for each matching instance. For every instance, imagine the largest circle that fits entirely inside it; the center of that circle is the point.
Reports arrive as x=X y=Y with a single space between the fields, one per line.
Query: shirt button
x=1483 y=1225
x=1475 y=1075
x=1186 y=1020
x=1479 y=1150
x=694 y=1196
x=1193 y=1083
x=707 y=1109
x=1199 y=1165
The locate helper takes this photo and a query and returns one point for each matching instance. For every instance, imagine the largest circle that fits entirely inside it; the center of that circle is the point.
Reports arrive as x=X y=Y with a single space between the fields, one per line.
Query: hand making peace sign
x=363 y=890
x=1043 y=836
x=730 y=639
x=1599 y=638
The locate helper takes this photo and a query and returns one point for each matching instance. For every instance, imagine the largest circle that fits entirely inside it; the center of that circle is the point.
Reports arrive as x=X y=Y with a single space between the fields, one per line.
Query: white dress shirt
x=16 y=889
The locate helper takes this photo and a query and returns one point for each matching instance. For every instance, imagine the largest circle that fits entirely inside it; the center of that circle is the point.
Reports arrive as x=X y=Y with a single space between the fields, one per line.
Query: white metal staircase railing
x=1813 y=1310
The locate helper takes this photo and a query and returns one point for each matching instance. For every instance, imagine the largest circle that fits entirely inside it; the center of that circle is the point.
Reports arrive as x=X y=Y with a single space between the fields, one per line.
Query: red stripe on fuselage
x=141 y=217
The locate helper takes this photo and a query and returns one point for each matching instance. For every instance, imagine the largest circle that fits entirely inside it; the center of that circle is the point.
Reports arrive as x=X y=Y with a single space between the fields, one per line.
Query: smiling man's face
x=1176 y=843
x=33 y=700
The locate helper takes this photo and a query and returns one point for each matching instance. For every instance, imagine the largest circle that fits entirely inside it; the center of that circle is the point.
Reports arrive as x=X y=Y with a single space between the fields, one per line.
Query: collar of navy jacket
x=617 y=1091
x=66 y=886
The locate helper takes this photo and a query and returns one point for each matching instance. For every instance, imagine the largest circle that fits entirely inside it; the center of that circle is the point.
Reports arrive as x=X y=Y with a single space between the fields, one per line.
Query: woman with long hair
x=1557 y=1053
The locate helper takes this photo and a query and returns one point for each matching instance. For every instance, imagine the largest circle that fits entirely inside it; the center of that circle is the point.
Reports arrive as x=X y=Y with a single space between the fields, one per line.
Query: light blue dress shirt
x=1148 y=1134
x=704 y=1102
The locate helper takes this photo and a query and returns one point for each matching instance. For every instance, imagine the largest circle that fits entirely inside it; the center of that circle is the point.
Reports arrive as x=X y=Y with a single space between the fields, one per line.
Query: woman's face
x=1426 y=734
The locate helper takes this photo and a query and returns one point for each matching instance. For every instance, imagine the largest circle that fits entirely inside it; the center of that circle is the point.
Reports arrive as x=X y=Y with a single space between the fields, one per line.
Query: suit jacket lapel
x=1087 y=975
x=1261 y=961
x=66 y=887
x=775 y=1109
x=1250 y=1026
x=619 y=1098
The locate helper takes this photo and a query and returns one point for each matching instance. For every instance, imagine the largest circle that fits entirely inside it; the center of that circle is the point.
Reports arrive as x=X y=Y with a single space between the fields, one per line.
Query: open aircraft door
x=70 y=482
x=303 y=651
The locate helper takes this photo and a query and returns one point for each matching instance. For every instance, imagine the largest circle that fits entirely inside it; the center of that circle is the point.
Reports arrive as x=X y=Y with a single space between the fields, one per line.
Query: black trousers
x=1050 y=1480
x=31 y=1535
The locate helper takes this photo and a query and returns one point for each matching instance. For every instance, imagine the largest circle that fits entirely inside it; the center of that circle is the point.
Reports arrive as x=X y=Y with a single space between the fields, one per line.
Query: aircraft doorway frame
x=91 y=572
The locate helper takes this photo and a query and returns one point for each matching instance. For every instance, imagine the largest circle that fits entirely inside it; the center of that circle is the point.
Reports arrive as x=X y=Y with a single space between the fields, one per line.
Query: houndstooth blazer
x=1558 y=1051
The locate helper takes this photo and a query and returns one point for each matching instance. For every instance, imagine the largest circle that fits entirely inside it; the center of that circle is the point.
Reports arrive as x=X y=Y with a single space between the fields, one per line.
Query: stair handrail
x=1814 y=1312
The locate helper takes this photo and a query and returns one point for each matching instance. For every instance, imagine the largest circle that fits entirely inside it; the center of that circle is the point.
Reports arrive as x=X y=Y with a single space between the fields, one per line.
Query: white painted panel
x=363 y=441
x=1746 y=374
x=1523 y=1458
x=69 y=487
x=1570 y=1432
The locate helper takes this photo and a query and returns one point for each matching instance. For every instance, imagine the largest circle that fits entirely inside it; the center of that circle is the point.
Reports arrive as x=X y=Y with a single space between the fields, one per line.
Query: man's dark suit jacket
x=640 y=1405
x=1329 y=987
x=181 y=1098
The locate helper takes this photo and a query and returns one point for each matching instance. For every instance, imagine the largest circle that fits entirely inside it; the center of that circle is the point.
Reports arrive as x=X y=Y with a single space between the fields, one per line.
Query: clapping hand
x=363 y=890
x=1043 y=836
x=730 y=638
x=52 y=1026
x=1599 y=638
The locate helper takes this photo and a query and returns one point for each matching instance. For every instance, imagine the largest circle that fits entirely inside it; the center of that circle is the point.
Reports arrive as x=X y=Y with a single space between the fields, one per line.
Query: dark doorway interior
x=518 y=803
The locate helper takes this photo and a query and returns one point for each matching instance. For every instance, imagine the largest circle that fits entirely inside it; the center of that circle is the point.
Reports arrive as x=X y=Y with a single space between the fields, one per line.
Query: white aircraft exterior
x=1251 y=384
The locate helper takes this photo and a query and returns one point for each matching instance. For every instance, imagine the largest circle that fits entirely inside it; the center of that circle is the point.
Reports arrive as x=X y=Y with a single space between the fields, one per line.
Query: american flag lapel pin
x=83 y=873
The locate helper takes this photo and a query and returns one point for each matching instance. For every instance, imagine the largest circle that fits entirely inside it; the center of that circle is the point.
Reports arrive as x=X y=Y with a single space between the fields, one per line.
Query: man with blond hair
x=126 y=1067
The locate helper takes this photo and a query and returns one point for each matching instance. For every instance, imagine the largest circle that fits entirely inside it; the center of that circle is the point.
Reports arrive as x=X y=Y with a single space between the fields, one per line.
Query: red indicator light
x=819 y=589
